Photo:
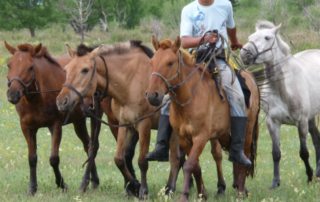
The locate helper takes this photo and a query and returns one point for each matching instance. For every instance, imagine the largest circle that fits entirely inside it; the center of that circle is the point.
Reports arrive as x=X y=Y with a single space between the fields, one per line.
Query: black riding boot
x=238 y=133
x=161 y=152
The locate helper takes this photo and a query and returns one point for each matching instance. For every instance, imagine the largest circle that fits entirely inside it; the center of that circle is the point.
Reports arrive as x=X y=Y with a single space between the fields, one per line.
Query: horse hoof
x=220 y=191
x=183 y=198
x=143 y=194
x=32 y=192
x=242 y=195
x=83 y=187
x=133 y=188
x=94 y=185
x=168 y=191
x=64 y=188
x=275 y=184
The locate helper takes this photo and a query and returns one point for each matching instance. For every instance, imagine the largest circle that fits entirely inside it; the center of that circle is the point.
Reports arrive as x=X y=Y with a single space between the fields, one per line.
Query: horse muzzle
x=154 y=98
x=247 y=55
x=64 y=103
x=14 y=96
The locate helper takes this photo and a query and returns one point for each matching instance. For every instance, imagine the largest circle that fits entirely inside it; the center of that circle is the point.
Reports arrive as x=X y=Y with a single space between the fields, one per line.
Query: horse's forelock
x=165 y=44
x=264 y=24
x=26 y=48
x=83 y=49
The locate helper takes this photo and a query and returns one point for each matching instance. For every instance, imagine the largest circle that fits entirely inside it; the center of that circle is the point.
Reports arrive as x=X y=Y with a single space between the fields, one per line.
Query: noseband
x=22 y=83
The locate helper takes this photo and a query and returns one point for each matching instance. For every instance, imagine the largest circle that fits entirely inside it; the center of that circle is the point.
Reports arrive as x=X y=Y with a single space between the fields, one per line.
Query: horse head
x=81 y=77
x=263 y=46
x=21 y=73
x=165 y=69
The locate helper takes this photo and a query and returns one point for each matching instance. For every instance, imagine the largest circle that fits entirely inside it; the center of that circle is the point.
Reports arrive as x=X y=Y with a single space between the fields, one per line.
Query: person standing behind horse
x=197 y=18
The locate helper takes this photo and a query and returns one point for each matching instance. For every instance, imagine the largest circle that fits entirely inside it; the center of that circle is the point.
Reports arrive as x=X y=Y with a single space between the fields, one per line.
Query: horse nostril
x=65 y=101
x=156 y=95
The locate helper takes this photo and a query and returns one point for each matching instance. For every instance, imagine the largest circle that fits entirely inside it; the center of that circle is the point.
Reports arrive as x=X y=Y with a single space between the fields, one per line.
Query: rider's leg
x=161 y=151
x=236 y=100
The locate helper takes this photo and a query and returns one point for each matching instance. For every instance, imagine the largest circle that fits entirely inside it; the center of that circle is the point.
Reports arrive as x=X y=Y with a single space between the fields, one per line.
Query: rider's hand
x=211 y=38
x=236 y=46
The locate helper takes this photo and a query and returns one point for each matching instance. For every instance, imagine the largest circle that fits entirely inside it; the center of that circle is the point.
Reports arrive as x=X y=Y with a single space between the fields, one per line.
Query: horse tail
x=254 y=142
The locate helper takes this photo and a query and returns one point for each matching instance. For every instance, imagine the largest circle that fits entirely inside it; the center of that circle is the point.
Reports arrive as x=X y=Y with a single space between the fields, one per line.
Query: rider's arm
x=232 y=34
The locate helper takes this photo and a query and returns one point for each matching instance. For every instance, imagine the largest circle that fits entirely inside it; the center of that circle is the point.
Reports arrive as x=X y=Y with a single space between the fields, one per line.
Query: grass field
x=14 y=169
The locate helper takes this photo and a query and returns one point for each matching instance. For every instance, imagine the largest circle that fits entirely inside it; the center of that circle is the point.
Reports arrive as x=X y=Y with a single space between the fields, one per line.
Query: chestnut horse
x=34 y=80
x=197 y=112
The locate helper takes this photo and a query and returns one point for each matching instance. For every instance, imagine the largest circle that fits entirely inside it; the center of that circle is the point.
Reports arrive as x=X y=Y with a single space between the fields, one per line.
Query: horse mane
x=264 y=24
x=148 y=51
x=187 y=57
x=42 y=53
x=82 y=49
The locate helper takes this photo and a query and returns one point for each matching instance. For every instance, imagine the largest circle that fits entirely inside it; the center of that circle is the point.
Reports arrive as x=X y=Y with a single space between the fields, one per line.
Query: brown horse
x=34 y=80
x=197 y=113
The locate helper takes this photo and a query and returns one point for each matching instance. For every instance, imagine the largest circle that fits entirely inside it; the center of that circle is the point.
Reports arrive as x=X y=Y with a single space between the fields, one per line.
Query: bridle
x=255 y=57
x=171 y=88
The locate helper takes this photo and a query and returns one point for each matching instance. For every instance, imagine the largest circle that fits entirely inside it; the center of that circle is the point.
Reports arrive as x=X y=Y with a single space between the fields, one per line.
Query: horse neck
x=123 y=72
x=192 y=88
x=276 y=72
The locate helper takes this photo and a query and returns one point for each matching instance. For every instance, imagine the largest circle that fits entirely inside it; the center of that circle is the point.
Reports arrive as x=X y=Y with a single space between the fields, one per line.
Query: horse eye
x=170 y=64
x=267 y=38
x=85 y=70
x=30 y=68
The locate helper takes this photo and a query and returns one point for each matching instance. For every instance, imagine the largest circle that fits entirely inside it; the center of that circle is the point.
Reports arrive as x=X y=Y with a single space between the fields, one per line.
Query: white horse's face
x=260 y=46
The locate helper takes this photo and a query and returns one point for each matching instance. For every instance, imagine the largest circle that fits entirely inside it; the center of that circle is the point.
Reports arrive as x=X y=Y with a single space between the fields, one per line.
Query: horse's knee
x=33 y=160
x=304 y=154
x=119 y=162
x=276 y=155
x=54 y=161
x=188 y=167
x=143 y=164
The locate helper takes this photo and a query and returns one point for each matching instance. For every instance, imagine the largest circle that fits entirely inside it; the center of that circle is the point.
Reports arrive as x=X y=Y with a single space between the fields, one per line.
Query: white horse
x=292 y=95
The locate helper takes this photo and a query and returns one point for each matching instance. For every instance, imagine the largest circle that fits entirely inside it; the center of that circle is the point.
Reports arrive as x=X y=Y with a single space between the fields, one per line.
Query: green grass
x=14 y=169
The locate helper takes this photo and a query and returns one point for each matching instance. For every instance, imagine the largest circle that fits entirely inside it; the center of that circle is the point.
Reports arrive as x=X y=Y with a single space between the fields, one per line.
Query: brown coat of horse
x=197 y=113
x=34 y=80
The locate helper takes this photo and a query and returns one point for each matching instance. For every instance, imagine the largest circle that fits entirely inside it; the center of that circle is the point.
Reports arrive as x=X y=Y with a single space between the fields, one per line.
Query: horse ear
x=276 y=29
x=37 y=49
x=155 y=42
x=11 y=49
x=96 y=51
x=71 y=52
x=177 y=44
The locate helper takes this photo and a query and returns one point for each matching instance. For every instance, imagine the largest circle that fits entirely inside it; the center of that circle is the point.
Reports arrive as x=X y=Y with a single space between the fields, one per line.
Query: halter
x=257 y=51
x=171 y=88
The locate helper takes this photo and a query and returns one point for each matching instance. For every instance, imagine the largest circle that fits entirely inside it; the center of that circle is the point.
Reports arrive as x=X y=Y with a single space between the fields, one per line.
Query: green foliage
x=30 y=14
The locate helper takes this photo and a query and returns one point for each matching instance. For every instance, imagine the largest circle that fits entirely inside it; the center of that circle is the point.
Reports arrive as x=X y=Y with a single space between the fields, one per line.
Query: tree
x=29 y=14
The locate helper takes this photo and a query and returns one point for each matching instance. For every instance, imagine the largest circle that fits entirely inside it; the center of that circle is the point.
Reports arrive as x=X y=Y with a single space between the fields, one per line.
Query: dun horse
x=197 y=113
x=34 y=80
x=120 y=71
x=290 y=94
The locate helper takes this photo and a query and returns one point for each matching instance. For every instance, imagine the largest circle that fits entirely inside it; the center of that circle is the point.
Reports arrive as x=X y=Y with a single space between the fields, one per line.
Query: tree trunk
x=32 y=31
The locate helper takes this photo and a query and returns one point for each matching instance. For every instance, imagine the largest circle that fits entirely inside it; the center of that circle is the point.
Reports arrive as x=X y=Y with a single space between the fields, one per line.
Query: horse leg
x=144 y=129
x=81 y=131
x=217 y=156
x=191 y=165
x=313 y=130
x=31 y=138
x=56 y=132
x=129 y=154
x=133 y=186
x=274 y=131
x=176 y=162
x=304 y=154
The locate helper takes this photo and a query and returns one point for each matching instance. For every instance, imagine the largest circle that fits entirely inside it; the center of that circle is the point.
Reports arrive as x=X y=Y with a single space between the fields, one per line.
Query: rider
x=197 y=18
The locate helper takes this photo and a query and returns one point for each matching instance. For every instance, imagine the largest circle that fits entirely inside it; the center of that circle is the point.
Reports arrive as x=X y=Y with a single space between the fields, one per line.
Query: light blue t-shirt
x=197 y=19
